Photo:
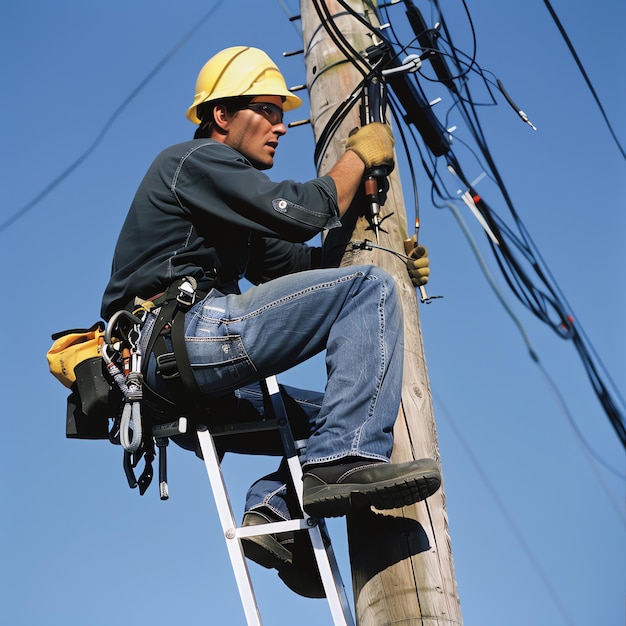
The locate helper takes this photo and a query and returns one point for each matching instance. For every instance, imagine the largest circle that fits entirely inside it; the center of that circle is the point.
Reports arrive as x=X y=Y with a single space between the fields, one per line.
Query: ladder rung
x=243 y=428
x=323 y=552
x=270 y=528
x=171 y=429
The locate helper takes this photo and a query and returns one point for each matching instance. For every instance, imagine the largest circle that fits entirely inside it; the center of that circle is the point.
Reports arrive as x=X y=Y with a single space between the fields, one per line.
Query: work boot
x=290 y=553
x=302 y=575
x=331 y=490
x=270 y=551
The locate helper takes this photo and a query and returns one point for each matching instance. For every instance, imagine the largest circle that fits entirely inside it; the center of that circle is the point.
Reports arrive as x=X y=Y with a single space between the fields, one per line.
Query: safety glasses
x=272 y=113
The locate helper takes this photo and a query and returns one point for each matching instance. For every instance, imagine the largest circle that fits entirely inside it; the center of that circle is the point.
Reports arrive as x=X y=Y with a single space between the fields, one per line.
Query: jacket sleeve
x=270 y=258
x=214 y=181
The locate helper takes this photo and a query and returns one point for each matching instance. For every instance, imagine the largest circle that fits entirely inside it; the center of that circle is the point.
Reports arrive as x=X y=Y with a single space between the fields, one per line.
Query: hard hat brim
x=240 y=71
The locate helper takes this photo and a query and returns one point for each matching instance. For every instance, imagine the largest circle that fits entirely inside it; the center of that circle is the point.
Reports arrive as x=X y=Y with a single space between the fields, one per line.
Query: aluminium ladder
x=324 y=554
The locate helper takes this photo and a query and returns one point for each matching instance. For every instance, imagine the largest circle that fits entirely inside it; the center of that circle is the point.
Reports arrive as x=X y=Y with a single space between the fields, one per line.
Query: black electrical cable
x=472 y=30
x=543 y=298
x=338 y=38
x=470 y=66
x=344 y=108
x=334 y=122
x=536 y=300
x=584 y=74
x=342 y=111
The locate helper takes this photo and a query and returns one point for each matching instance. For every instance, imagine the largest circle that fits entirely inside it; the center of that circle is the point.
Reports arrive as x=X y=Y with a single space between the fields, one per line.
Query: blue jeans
x=271 y=491
x=351 y=312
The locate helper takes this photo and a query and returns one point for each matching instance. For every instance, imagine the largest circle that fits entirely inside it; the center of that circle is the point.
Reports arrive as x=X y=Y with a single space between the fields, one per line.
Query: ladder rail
x=318 y=533
x=324 y=554
x=227 y=521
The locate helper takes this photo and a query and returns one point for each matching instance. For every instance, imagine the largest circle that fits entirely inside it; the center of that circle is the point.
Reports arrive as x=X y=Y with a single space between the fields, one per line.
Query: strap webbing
x=192 y=395
x=171 y=322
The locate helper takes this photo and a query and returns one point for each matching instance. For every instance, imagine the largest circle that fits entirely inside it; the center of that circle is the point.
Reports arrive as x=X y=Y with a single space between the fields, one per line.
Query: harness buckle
x=167 y=366
x=186 y=296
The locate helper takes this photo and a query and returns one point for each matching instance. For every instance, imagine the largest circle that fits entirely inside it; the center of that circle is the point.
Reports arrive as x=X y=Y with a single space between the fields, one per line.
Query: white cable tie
x=411 y=63
x=478 y=179
x=469 y=201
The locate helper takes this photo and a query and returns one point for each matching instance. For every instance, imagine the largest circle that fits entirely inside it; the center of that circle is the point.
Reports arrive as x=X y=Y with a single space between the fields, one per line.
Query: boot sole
x=266 y=551
x=339 y=499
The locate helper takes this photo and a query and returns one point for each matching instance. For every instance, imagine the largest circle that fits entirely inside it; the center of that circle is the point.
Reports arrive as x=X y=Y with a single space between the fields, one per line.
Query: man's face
x=252 y=133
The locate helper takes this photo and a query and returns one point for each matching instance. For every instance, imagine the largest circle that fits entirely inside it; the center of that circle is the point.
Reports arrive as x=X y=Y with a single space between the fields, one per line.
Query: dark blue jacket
x=203 y=210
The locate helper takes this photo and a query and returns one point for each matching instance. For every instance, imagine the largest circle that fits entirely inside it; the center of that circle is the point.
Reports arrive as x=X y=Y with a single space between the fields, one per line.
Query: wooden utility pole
x=402 y=568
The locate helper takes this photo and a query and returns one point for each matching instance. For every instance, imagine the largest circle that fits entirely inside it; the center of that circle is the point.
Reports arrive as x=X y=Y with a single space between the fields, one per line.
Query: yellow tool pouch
x=75 y=360
x=72 y=347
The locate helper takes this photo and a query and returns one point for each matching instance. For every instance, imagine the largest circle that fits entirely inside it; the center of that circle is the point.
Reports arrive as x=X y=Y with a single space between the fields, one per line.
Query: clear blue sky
x=537 y=525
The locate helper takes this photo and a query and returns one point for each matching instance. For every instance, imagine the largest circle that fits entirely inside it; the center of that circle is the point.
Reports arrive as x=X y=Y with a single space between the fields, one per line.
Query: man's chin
x=263 y=165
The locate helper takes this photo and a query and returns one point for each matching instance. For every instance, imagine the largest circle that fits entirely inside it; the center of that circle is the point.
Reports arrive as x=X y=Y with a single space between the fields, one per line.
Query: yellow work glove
x=373 y=144
x=418 y=265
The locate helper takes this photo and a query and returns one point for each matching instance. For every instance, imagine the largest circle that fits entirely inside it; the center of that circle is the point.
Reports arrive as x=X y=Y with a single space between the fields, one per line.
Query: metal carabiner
x=114 y=323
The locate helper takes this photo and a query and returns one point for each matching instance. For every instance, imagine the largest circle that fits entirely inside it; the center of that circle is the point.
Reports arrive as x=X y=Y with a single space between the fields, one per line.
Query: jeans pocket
x=219 y=364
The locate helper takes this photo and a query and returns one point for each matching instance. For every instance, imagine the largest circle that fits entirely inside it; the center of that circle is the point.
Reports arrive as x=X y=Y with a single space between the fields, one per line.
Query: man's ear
x=221 y=116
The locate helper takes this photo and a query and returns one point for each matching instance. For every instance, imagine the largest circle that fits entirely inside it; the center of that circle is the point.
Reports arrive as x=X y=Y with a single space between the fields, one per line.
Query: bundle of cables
x=517 y=256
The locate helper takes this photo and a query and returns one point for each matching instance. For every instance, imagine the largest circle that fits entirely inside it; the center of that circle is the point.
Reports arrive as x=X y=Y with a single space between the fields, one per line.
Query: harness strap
x=174 y=367
x=173 y=362
x=192 y=390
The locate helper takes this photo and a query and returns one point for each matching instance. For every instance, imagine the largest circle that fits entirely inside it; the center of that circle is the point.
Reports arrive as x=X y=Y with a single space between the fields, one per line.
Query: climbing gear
x=103 y=367
x=129 y=379
x=167 y=343
x=240 y=71
x=124 y=352
x=123 y=359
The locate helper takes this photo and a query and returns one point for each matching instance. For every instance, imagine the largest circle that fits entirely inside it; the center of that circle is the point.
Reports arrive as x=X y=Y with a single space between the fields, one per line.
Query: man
x=206 y=210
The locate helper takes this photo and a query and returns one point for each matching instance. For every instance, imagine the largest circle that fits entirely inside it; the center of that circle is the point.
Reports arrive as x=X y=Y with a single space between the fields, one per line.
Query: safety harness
x=155 y=326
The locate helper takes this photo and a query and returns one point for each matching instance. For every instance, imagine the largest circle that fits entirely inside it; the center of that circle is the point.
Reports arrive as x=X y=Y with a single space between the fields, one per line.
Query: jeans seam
x=294 y=296
x=267 y=505
x=271 y=494
x=383 y=360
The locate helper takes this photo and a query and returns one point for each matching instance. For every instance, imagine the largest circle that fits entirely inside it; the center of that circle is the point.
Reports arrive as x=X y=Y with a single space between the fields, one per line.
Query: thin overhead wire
x=510 y=519
x=107 y=125
x=528 y=277
x=572 y=50
x=531 y=350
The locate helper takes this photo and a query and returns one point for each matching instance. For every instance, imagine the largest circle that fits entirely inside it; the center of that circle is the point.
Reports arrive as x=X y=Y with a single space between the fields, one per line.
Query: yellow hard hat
x=240 y=71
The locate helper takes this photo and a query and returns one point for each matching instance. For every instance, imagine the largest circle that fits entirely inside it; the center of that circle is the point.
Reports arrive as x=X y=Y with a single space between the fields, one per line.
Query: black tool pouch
x=94 y=399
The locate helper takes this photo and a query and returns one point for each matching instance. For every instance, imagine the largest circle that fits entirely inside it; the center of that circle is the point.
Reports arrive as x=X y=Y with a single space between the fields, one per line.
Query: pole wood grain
x=401 y=560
